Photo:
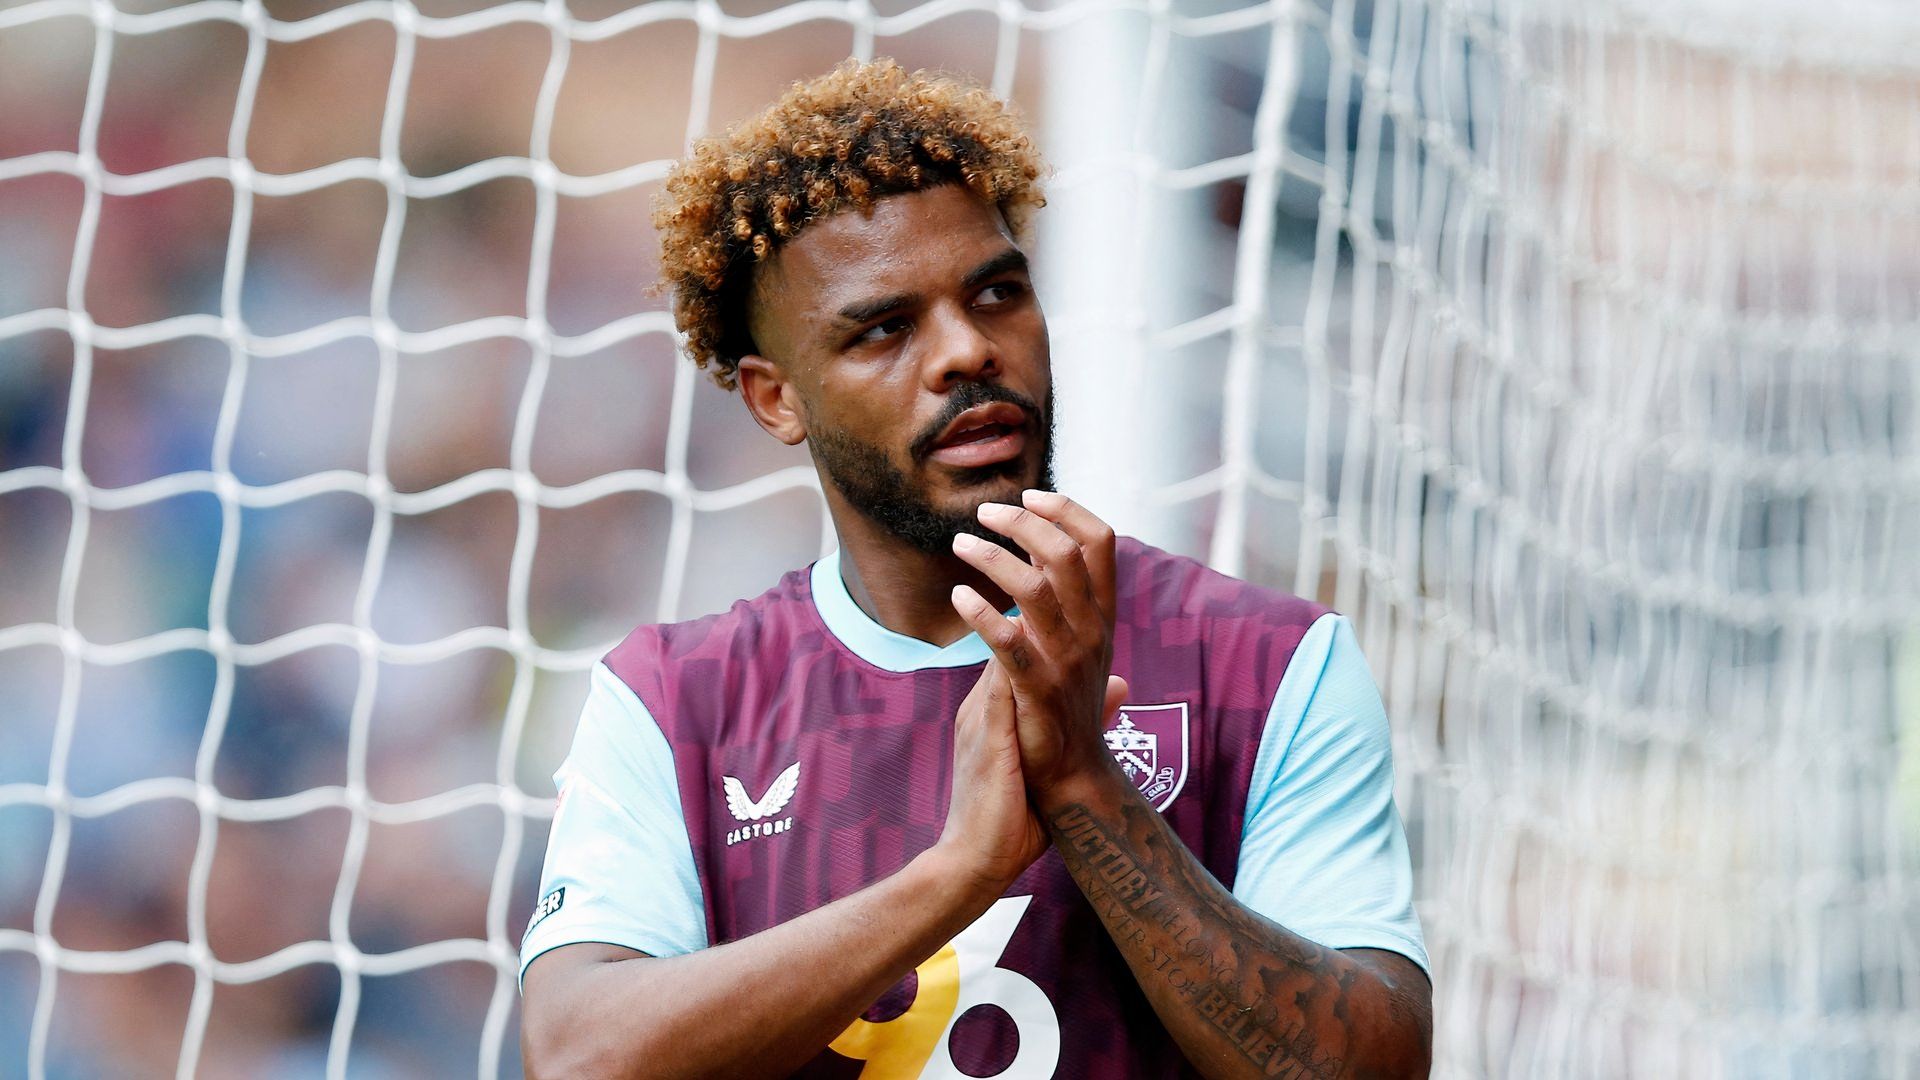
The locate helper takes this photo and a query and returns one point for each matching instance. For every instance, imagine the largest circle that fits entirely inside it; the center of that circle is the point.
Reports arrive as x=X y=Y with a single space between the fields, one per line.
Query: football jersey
x=736 y=771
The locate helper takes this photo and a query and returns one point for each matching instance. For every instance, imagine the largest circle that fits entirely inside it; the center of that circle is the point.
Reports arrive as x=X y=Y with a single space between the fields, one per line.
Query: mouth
x=984 y=446
x=983 y=435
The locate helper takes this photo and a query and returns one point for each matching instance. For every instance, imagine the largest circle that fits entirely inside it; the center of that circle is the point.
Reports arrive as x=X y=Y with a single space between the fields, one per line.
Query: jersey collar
x=877 y=645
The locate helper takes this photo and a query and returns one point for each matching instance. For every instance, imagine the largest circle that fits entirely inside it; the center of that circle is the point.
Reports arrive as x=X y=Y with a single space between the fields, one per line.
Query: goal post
x=1570 y=349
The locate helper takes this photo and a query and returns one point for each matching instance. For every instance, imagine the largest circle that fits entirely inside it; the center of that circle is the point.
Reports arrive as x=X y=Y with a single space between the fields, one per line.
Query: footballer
x=988 y=791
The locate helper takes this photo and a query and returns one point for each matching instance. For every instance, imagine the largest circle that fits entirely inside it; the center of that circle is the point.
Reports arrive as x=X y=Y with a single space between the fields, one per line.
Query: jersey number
x=963 y=974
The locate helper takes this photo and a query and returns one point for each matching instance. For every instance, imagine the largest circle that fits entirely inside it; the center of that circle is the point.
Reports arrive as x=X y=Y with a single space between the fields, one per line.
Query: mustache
x=964 y=397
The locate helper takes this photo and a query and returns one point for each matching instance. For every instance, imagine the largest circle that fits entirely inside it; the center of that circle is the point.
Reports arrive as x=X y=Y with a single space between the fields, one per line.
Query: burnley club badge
x=1150 y=743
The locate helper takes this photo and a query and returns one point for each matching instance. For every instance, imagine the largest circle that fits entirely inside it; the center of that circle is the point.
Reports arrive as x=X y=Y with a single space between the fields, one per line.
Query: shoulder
x=661 y=661
x=1160 y=585
x=1247 y=634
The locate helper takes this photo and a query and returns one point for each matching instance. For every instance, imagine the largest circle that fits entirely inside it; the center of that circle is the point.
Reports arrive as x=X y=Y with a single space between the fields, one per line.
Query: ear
x=772 y=399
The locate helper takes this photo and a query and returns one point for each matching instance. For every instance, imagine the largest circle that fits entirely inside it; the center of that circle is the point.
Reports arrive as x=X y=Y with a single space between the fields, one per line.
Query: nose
x=957 y=350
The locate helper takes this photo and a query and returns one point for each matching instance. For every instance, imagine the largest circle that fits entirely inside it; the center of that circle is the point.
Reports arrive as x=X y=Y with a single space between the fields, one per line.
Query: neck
x=899 y=586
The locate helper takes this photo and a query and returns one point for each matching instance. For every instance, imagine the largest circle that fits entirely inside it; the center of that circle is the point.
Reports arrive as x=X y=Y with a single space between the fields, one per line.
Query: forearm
x=762 y=1005
x=1241 y=995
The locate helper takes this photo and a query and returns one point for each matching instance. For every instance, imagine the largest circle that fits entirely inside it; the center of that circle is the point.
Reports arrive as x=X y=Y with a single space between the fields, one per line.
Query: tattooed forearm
x=1242 y=996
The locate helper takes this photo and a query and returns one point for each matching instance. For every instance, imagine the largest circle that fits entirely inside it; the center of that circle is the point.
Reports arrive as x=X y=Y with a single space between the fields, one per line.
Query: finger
x=1026 y=585
x=1116 y=697
x=1044 y=541
x=1002 y=635
x=1055 y=555
x=1094 y=536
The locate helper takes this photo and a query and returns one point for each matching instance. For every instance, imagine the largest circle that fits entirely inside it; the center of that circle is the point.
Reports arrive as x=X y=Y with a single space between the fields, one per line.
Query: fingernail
x=965 y=541
x=993 y=509
x=1035 y=495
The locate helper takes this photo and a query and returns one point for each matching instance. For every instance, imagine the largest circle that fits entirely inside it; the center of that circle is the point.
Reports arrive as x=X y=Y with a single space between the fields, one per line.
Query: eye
x=1000 y=292
x=882 y=330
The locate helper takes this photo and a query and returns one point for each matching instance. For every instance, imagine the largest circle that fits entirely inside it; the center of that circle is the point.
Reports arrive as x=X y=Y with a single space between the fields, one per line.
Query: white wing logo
x=774 y=801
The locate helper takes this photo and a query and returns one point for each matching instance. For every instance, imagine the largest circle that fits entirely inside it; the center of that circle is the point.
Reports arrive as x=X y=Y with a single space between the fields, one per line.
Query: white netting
x=1573 y=349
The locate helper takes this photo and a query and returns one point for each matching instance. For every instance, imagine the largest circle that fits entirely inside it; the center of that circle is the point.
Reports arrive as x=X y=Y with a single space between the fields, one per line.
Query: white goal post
x=1573 y=349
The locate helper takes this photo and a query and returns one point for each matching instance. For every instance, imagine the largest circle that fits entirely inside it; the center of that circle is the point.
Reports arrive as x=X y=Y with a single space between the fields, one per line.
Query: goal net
x=1573 y=349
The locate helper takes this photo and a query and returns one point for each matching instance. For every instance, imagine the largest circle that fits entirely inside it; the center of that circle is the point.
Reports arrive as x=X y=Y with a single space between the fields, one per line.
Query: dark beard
x=882 y=492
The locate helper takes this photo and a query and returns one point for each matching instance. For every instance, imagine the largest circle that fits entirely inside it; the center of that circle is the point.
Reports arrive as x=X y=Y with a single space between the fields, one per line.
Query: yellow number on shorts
x=963 y=974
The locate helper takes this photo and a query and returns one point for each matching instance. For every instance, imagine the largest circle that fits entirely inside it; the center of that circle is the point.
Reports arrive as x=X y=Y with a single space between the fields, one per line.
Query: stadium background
x=1569 y=348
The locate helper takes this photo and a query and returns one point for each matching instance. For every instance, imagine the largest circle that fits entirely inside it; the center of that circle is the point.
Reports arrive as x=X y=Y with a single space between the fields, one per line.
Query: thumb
x=999 y=691
x=1116 y=695
x=974 y=708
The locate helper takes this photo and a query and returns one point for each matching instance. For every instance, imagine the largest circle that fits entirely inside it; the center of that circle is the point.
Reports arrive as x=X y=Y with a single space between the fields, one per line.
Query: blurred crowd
x=154 y=412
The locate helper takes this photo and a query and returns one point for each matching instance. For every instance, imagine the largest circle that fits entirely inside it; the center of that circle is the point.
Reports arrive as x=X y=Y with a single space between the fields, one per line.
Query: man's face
x=917 y=352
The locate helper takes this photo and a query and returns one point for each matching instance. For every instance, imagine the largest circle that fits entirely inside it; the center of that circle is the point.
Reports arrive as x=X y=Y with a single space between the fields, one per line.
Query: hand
x=991 y=831
x=1058 y=652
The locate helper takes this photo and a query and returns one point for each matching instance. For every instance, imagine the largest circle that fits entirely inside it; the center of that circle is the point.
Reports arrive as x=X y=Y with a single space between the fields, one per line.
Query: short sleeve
x=1322 y=851
x=619 y=866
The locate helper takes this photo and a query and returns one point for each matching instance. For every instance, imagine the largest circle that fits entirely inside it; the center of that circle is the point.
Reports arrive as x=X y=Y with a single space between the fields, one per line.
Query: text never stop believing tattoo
x=1228 y=972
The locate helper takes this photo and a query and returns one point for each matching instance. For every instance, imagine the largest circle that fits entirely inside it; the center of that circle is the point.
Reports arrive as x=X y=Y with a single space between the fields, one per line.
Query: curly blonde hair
x=854 y=135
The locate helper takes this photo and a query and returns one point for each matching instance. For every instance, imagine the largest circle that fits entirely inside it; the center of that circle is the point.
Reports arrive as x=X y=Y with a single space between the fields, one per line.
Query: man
x=987 y=792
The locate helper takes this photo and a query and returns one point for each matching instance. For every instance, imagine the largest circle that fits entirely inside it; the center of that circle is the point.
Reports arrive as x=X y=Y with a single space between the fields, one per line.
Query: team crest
x=1150 y=743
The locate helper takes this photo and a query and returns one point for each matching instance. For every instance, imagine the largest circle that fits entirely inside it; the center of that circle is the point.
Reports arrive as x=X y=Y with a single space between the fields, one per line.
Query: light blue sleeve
x=619 y=865
x=1322 y=852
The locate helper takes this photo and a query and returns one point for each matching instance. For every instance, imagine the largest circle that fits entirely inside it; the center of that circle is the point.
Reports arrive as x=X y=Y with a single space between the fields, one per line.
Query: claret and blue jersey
x=733 y=772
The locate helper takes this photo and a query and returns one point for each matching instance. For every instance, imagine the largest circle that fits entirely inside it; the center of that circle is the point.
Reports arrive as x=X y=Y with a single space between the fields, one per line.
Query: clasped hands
x=1049 y=683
